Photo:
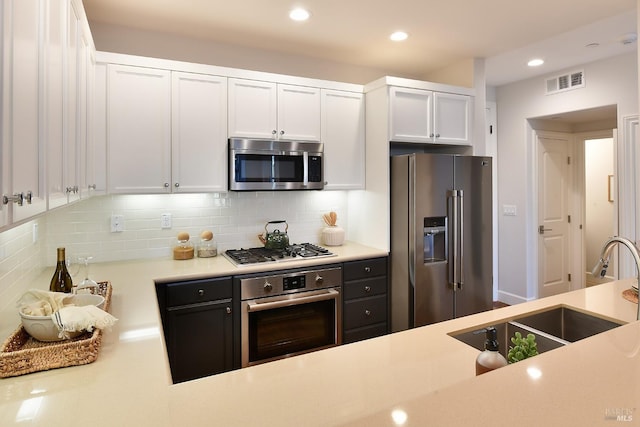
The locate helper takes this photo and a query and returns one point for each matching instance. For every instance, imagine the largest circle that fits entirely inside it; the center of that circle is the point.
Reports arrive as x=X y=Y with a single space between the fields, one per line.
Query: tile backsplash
x=21 y=260
x=236 y=219
x=83 y=228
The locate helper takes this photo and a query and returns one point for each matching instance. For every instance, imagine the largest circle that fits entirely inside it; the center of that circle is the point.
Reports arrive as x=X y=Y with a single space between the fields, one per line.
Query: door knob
x=541 y=229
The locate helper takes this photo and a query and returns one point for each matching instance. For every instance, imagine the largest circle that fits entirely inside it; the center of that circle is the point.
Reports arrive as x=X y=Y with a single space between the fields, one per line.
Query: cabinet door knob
x=273 y=132
x=367 y=312
x=228 y=310
x=201 y=292
x=367 y=288
x=367 y=269
x=166 y=185
x=177 y=184
x=281 y=132
x=437 y=135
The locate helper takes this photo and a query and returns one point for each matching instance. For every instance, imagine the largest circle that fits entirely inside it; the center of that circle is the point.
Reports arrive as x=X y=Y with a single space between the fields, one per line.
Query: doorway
x=562 y=145
x=600 y=209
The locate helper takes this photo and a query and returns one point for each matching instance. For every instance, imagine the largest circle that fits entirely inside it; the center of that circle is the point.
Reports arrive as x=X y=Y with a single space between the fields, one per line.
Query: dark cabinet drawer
x=364 y=269
x=365 y=333
x=366 y=311
x=365 y=288
x=196 y=291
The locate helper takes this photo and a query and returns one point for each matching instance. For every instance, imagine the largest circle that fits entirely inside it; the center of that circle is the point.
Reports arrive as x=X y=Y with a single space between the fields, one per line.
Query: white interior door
x=554 y=180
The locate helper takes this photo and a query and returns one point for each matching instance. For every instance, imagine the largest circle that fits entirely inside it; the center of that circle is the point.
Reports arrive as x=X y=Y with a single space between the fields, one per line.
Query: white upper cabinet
x=343 y=135
x=298 y=113
x=138 y=130
x=56 y=36
x=411 y=113
x=199 y=132
x=424 y=116
x=451 y=121
x=23 y=182
x=268 y=110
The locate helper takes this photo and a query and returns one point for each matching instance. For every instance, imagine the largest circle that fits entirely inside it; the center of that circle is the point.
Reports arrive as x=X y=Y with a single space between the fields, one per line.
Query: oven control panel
x=283 y=282
x=293 y=282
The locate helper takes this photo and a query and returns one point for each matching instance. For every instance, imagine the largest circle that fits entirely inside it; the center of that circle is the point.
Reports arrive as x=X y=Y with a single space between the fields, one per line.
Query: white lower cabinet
x=199 y=132
x=343 y=135
x=138 y=130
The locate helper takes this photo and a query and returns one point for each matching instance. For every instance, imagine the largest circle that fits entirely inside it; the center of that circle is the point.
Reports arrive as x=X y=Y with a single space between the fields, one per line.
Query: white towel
x=72 y=318
x=35 y=302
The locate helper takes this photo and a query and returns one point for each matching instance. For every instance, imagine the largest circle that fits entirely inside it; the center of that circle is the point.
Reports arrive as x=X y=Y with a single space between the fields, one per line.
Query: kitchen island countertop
x=412 y=378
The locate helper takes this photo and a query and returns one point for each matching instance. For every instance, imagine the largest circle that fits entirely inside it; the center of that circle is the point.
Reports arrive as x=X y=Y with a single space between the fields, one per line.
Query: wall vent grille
x=564 y=82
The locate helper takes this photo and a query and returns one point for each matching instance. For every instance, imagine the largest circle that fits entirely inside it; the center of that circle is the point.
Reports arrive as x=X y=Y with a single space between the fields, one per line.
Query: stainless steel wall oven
x=290 y=312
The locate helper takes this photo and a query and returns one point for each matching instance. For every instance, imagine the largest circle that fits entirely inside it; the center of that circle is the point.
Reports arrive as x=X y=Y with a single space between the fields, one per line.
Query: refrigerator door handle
x=461 y=224
x=453 y=265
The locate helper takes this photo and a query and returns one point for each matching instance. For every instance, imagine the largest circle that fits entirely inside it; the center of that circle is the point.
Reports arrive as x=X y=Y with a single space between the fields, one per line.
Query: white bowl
x=42 y=328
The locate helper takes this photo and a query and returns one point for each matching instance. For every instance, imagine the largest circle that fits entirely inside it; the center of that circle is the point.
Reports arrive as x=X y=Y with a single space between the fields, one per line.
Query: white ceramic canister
x=333 y=235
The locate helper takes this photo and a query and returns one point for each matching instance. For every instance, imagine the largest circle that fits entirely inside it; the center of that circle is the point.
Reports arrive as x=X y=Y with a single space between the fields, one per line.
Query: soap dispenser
x=490 y=358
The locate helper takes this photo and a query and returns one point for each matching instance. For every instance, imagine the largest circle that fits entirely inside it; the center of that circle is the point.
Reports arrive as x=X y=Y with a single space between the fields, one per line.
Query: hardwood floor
x=498 y=304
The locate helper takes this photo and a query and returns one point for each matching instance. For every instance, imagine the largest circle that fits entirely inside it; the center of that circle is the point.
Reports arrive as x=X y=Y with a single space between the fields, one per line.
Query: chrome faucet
x=600 y=269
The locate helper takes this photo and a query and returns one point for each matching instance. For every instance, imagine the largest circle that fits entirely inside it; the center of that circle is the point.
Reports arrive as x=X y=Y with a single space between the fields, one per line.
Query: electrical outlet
x=117 y=223
x=165 y=220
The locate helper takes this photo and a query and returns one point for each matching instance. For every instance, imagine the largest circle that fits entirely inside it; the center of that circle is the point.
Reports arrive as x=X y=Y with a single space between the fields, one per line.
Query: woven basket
x=21 y=354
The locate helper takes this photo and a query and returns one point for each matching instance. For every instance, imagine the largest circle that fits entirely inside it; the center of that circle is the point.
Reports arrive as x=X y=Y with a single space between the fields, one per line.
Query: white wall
x=130 y=41
x=607 y=82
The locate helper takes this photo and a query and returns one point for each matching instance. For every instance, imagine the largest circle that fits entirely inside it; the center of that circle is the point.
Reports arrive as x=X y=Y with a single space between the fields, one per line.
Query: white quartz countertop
x=414 y=378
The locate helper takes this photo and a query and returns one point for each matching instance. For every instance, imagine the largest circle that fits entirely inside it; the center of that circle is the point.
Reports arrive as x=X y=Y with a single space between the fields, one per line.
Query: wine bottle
x=61 y=280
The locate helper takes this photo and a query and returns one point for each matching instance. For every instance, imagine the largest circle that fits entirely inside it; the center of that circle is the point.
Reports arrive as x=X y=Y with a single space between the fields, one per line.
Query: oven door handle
x=260 y=306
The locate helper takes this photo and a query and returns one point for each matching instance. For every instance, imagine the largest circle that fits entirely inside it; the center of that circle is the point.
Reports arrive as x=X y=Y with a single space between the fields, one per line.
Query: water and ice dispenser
x=435 y=239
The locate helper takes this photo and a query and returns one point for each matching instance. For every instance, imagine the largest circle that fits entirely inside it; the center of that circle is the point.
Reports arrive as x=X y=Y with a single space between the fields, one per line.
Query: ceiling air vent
x=565 y=82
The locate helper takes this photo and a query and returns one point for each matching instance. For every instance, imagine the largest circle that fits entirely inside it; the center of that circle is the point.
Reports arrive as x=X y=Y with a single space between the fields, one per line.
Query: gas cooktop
x=243 y=257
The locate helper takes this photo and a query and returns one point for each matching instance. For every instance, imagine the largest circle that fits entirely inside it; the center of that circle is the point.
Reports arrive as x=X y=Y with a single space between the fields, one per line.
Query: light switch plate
x=509 y=210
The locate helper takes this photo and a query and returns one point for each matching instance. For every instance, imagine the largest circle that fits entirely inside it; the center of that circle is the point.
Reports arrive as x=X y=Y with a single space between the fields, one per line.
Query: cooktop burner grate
x=292 y=252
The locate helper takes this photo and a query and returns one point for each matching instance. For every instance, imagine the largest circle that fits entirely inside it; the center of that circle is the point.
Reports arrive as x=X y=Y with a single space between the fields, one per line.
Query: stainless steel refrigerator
x=441 y=238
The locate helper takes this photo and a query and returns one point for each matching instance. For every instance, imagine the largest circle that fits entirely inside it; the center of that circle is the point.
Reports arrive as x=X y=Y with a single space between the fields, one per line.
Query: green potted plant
x=522 y=348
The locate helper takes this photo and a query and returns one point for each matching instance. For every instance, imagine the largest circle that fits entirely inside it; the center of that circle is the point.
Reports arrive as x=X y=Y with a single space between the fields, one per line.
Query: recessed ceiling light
x=399 y=36
x=535 y=62
x=299 y=14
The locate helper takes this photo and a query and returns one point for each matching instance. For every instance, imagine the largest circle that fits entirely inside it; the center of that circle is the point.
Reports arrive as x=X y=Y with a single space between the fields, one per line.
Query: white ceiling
x=442 y=33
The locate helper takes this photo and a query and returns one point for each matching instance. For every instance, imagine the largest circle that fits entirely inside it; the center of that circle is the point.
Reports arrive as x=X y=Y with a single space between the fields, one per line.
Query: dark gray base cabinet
x=365 y=299
x=198 y=321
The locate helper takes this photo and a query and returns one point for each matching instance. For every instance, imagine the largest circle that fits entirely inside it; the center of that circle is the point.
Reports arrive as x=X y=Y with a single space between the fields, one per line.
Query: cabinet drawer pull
x=228 y=310
x=367 y=288
x=367 y=312
x=367 y=269
x=201 y=292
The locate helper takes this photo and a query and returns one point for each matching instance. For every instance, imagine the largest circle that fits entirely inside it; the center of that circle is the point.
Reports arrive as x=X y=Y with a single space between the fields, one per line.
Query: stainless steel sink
x=506 y=330
x=567 y=324
x=553 y=328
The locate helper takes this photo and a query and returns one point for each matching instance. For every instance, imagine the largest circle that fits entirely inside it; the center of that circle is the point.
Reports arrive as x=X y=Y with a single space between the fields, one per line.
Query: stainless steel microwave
x=258 y=165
